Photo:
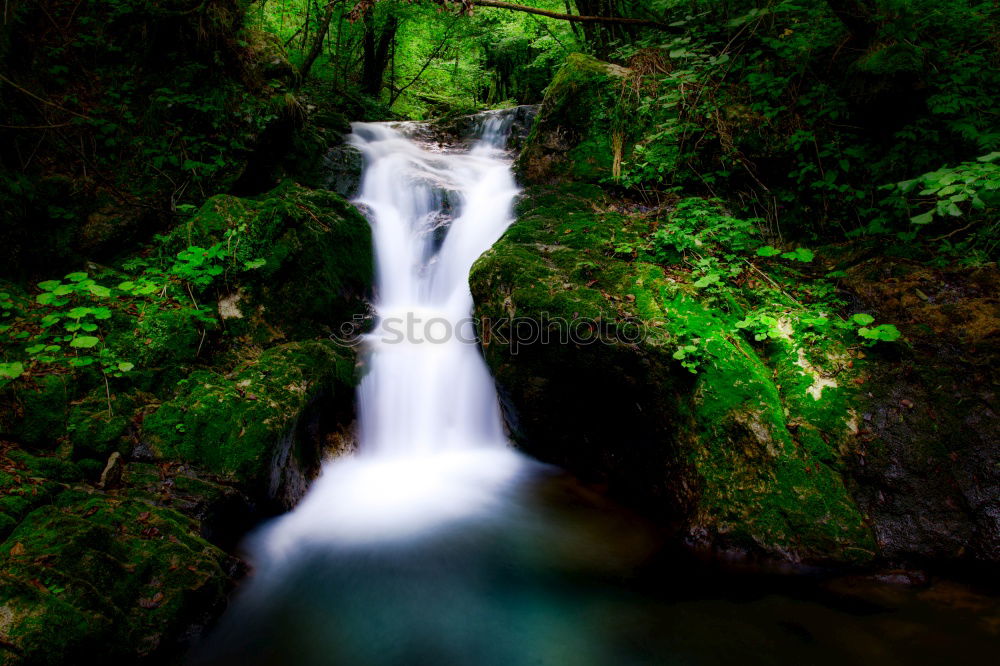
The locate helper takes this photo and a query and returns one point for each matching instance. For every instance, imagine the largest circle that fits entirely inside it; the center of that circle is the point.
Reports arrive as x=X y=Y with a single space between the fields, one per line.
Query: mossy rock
x=745 y=455
x=96 y=579
x=161 y=342
x=925 y=463
x=580 y=126
x=317 y=257
x=27 y=482
x=250 y=426
x=35 y=411
x=224 y=514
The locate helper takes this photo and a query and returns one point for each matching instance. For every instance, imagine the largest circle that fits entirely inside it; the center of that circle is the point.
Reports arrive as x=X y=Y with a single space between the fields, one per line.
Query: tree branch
x=499 y=4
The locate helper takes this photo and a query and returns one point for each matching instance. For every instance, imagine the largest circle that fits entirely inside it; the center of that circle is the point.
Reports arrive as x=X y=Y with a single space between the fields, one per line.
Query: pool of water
x=554 y=574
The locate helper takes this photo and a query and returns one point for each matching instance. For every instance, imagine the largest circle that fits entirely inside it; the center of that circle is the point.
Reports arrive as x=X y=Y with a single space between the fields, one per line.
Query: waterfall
x=432 y=447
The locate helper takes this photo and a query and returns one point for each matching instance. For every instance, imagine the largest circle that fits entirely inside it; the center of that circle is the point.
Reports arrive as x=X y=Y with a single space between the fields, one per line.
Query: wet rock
x=463 y=131
x=269 y=445
x=98 y=575
x=741 y=458
x=341 y=170
x=926 y=467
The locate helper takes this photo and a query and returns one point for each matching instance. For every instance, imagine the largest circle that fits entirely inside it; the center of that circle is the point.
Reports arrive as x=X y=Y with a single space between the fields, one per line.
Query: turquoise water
x=559 y=576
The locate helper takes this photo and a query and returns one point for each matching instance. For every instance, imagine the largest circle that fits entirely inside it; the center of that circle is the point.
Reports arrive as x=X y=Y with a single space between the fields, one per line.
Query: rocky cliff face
x=787 y=444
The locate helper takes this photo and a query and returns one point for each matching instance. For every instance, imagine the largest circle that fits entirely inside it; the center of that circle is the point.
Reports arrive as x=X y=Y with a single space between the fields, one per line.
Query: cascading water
x=427 y=390
x=432 y=445
x=437 y=544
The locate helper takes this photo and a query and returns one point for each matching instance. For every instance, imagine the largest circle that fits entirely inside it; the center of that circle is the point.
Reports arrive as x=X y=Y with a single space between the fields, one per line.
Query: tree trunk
x=317 y=46
x=376 y=52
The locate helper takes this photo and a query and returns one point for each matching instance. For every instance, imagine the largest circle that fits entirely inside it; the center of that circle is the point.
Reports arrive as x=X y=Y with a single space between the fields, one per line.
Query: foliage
x=439 y=62
x=751 y=292
x=967 y=193
x=165 y=104
x=67 y=325
x=776 y=106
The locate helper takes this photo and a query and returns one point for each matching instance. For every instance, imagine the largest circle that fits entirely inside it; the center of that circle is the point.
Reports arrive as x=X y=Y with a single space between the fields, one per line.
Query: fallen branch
x=620 y=20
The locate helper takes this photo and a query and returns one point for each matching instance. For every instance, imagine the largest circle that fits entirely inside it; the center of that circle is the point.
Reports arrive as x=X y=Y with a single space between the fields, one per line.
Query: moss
x=162 y=340
x=742 y=453
x=35 y=412
x=572 y=135
x=233 y=424
x=27 y=482
x=103 y=576
x=317 y=253
x=98 y=425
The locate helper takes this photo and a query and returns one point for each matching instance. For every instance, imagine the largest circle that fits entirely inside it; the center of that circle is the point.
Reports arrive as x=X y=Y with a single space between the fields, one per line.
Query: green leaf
x=80 y=361
x=101 y=313
x=11 y=370
x=49 y=285
x=862 y=319
x=257 y=263
x=78 y=313
x=48 y=298
x=76 y=277
x=799 y=254
x=99 y=291
x=84 y=342
x=709 y=279
x=925 y=218
x=125 y=366
x=768 y=251
x=89 y=328
x=34 y=349
x=885 y=333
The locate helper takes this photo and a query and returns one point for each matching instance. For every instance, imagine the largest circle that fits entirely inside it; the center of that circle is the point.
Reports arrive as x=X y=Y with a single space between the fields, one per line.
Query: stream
x=437 y=543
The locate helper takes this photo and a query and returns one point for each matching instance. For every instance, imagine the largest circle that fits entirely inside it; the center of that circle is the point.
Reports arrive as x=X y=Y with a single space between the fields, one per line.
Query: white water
x=432 y=443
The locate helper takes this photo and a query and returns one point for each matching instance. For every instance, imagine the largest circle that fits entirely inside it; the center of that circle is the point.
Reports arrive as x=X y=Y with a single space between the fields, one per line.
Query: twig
x=107 y=391
x=949 y=235
x=35 y=126
x=773 y=283
x=43 y=101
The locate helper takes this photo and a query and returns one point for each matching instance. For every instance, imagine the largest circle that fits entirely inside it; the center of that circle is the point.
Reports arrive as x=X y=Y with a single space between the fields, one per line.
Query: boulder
x=744 y=456
x=581 y=130
x=316 y=252
x=925 y=468
x=261 y=426
x=116 y=579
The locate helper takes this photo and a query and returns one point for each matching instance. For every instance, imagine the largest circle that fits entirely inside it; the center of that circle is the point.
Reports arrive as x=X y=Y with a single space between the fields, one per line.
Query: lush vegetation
x=799 y=201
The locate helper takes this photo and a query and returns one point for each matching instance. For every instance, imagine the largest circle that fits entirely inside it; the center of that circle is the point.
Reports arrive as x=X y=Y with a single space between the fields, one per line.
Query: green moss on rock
x=118 y=578
x=745 y=454
x=580 y=126
x=317 y=257
x=239 y=425
x=35 y=411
